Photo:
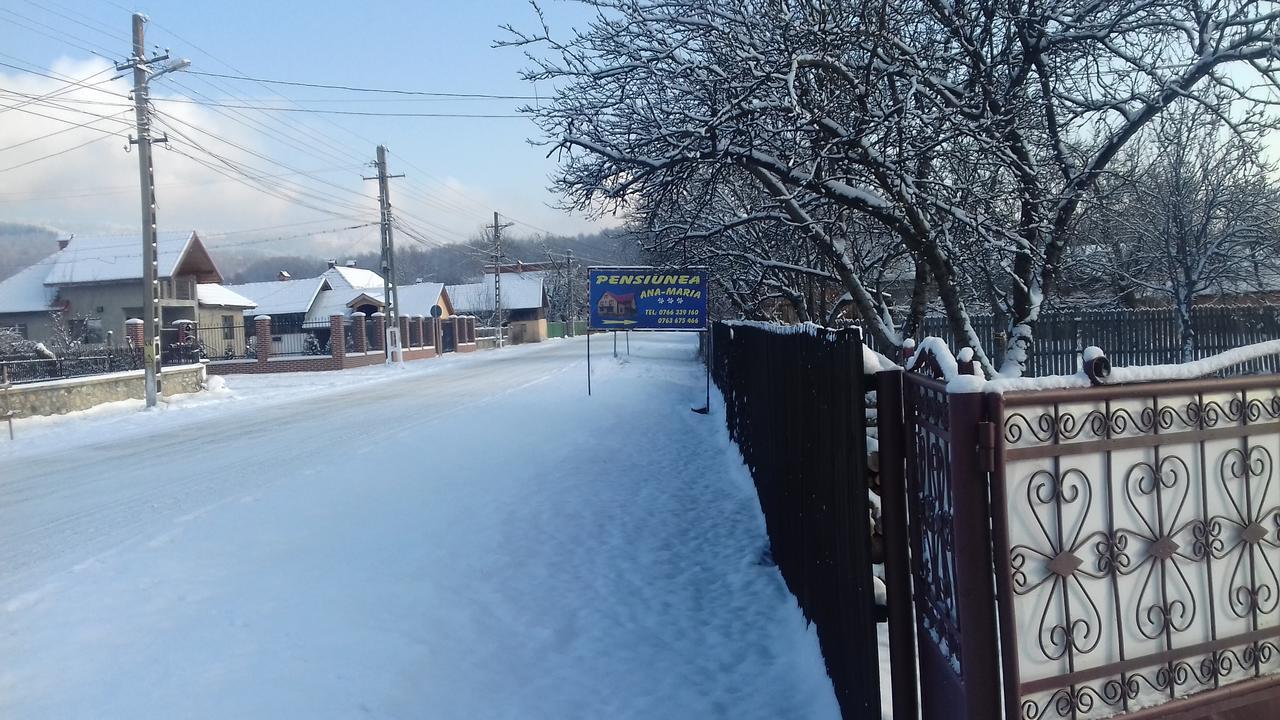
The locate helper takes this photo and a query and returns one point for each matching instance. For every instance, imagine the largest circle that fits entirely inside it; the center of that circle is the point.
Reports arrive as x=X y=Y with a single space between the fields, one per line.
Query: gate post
x=974 y=574
x=897 y=568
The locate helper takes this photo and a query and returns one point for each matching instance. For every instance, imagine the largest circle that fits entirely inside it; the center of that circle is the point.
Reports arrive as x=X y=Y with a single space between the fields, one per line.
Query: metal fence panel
x=794 y=405
x=1141 y=549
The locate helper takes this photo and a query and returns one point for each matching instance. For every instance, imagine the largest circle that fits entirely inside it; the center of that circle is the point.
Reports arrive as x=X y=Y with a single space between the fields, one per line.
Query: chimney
x=417 y=281
x=284 y=275
x=351 y=263
x=333 y=264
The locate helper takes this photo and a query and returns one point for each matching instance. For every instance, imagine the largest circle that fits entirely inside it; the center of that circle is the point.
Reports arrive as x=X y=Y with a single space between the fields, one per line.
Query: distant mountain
x=24 y=245
x=450 y=264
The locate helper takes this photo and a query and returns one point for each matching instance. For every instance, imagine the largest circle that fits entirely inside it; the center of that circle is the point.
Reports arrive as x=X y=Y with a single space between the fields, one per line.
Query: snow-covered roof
x=282 y=297
x=26 y=291
x=116 y=257
x=220 y=295
x=418 y=298
x=351 y=277
x=415 y=299
x=520 y=291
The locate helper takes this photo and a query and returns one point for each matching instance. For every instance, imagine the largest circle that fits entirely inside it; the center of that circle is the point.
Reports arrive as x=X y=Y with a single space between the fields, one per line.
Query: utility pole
x=142 y=75
x=497 y=273
x=568 y=283
x=390 y=293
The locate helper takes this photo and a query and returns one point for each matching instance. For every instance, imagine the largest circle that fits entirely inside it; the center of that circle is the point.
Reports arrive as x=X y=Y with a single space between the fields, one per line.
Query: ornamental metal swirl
x=1202 y=542
x=1050 y=425
x=933 y=513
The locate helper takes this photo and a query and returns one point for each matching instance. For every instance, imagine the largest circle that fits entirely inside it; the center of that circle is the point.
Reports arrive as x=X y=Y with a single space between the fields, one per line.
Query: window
x=182 y=288
x=228 y=327
x=93 y=331
x=86 y=330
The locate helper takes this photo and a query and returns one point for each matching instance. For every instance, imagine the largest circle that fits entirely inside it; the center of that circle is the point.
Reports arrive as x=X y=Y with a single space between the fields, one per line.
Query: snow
x=949 y=365
x=352 y=278
x=26 y=292
x=282 y=297
x=219 y=295
x=415 y=300
x=520 y=291
x=469 y=537
x=1131 y=374
x=114 y=257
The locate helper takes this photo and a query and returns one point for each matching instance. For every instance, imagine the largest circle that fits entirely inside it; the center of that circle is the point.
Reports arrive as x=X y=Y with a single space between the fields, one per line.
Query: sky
x=307 y=168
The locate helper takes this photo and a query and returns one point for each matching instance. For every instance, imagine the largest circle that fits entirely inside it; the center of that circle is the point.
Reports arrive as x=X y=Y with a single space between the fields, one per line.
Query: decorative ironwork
x=934 y=511
x=1054 y=425
x=1167 y=544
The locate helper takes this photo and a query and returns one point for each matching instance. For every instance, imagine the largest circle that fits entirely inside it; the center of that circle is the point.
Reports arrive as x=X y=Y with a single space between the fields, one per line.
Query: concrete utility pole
x=497 y=273
x=390 y=293
x=142 y=75
x=568 y=283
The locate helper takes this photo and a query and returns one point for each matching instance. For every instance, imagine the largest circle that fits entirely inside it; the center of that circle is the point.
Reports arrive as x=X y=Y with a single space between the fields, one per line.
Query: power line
x=385 y=91
x=26 y=195
x=90 y=141
x=322 y=111
x=85 y=125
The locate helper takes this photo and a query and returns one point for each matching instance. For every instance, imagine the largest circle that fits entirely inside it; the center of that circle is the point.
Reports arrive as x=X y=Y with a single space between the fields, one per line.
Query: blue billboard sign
x=646 y=298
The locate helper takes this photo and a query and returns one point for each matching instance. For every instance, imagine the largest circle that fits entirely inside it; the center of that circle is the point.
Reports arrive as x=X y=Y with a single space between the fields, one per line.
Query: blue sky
x=460 y=170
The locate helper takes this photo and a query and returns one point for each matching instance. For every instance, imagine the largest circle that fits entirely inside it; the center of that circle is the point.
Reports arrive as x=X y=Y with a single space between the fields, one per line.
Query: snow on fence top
x=872 y=361
x=1097 y=369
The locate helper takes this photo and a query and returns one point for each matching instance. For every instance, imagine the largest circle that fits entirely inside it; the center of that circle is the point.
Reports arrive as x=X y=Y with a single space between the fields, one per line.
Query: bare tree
x=1192 y=214
x=967 y=133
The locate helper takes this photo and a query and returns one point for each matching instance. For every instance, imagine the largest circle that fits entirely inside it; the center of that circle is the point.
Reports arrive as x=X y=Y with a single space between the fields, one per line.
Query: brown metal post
x=975 y=591
x=992 y=449
x=897 y=567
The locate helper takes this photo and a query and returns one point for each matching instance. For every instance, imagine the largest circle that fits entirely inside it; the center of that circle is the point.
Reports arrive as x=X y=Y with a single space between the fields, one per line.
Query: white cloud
x=94 y=188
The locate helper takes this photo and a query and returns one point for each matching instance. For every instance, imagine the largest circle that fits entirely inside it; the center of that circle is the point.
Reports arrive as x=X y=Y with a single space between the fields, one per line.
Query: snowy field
x=470 y=537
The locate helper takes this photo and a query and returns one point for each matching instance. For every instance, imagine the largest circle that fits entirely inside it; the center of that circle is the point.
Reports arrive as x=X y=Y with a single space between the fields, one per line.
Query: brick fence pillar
x=404 y=331
x=135 y=332
x=338 y=337
x=262 y=338
x=361 y=336
x=380 y=331
x=430 y=336
x=186 y=329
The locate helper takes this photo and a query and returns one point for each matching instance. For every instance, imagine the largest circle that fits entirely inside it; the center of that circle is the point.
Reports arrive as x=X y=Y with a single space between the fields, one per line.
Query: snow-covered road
x=467 y=538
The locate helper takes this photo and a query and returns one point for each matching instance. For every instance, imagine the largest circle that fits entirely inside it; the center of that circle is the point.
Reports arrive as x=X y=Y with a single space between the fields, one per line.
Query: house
x=221 y=307
x=617 y=306
x=524 y=303
x=95 y=283
x=415 y=300
x=302 y=307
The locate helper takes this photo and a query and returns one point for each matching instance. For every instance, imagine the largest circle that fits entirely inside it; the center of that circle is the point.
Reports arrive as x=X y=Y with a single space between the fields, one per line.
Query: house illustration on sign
x=617 y=307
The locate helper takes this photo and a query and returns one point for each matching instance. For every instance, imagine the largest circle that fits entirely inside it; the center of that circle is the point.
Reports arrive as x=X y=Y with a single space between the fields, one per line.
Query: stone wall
x=56 y=397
